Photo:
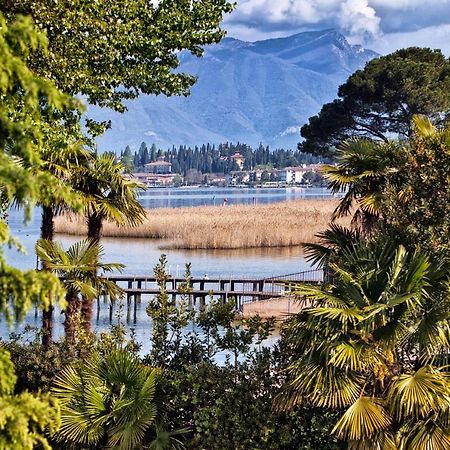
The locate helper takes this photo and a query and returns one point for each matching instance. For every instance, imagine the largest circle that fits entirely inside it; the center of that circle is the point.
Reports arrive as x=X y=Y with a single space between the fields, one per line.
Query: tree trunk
x=87 y=306
x=94 y=232
x=47 y=232
x=72 y=316
x=95 y=223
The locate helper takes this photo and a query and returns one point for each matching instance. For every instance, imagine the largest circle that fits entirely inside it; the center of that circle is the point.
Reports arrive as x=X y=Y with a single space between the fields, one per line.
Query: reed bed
x=223 y=227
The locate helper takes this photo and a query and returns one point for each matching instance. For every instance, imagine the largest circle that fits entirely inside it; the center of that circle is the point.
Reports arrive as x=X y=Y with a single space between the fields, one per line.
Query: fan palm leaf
x=108 y=399
x=78 y=269
x=419 y=393
x=363 y=419
x=375 y=339
x=361 y=173
x=109 y=194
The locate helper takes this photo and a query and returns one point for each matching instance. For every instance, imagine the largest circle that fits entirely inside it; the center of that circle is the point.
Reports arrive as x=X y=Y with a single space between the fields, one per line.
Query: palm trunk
x=72 y=315
x=95 y=223
x=87 y=311
x=94 y=232
x=47 y=232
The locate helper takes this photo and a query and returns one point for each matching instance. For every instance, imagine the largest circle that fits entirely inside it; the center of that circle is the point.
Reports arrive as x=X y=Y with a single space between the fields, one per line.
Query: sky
x=381 y=25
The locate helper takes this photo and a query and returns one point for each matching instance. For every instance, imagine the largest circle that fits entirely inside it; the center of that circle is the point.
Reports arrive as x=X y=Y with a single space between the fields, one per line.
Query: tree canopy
x=111 y=51
x=380 y=100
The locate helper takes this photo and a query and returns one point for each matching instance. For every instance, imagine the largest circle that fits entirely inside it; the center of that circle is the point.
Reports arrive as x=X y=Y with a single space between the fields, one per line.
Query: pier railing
x=242 y=290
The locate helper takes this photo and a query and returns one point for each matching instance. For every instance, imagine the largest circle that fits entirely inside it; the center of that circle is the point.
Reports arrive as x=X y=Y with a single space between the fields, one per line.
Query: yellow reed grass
x=223 y=227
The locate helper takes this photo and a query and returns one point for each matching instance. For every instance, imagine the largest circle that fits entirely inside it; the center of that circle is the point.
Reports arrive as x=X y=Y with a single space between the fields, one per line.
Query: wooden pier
x=241 y=290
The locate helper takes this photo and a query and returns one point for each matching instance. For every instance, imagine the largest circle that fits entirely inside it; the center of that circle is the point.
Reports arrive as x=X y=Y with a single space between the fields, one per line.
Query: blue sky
x=382 y=25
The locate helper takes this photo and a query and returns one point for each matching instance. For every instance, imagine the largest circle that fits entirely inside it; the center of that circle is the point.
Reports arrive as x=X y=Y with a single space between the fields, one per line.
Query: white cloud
x=435 y=37
x=291 y=130
x=359 y=19
x=355 y=17
x=384 y=25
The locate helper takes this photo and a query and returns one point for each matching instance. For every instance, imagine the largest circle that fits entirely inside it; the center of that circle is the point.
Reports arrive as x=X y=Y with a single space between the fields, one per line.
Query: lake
x=141 y=255
x=179 y=197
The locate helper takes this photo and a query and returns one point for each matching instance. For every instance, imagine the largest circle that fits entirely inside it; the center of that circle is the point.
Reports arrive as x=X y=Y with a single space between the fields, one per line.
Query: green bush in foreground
x=25 y=418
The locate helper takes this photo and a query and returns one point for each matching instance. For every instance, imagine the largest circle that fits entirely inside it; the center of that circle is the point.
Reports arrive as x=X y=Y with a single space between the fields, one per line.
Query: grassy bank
x=222 y=227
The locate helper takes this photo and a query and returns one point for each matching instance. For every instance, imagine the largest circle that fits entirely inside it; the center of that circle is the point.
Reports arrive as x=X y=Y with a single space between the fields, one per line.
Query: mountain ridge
x=251 y=92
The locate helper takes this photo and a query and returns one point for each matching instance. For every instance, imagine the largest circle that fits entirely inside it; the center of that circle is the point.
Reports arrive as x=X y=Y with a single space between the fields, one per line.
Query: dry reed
x=223 y=227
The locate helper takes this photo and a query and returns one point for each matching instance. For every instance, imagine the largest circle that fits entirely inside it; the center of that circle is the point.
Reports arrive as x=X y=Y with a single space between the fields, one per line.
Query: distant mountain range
x=250 y=92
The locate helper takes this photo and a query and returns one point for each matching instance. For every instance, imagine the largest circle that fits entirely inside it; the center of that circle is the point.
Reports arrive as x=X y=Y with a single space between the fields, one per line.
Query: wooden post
x=98 y=308
x=111 y=307
x=138 y=296
x=129 y=297
x=222 y=288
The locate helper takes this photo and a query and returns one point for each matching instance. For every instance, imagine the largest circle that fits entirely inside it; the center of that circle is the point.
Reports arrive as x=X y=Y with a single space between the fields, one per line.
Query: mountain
x=250 y=92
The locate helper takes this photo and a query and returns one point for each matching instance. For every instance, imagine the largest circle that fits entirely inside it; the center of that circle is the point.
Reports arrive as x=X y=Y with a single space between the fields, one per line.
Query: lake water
x=178 y=197
x=141 y=255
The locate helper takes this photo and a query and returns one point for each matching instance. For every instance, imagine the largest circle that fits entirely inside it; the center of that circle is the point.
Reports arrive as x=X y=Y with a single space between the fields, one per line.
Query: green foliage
x=30 y=113
x=225 y=332
x=127 y=160
x=108 y=194
x=230 y=408
x=379 y=325
x=107 y=401
x=24 y=418
x=381 y=99
x=400 y=188
x=168 y=318
x=78 y=267
x=36 y=366
x=208 y=158
x=114 y=51
x=26 y=288
x=417 y=202
x=362 y=172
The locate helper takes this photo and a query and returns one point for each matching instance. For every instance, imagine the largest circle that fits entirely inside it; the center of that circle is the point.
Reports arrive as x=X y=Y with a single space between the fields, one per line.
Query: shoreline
x=283 y=224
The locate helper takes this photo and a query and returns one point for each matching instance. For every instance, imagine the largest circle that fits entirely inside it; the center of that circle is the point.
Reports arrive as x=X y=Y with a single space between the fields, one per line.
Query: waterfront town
x=160 y=173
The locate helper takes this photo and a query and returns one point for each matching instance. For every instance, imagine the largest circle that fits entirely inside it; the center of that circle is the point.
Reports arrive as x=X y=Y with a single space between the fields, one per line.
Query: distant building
x=238 y=159
x=155 y=179
x=294 y=175
x=216 y=179
x=158 y=167
x=239 y=177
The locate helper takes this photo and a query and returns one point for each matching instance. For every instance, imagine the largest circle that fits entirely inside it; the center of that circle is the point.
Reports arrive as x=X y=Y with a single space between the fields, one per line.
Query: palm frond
x=416 y=395
x=363 y=419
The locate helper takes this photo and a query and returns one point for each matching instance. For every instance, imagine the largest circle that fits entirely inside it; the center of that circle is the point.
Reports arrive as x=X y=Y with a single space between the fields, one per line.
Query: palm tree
x=109 y=402
x=59 y=158
x=362 y=170
x=77 y=267
x=375 y=341
x=108 y=195
x=331 y=244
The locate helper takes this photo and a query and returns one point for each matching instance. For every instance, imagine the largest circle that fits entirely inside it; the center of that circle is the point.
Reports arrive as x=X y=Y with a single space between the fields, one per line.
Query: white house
x=159 y=167
x=292 y=175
